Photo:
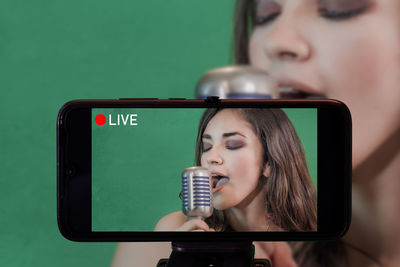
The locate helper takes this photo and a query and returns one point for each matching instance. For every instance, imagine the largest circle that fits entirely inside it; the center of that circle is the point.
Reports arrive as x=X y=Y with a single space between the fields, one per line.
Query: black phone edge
x=188 y=236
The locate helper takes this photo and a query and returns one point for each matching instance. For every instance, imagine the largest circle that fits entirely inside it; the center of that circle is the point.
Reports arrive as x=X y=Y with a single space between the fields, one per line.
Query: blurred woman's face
x=343 y=49
x=233 y=154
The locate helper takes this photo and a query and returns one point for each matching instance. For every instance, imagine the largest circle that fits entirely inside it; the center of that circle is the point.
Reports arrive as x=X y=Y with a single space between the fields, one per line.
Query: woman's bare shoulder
x=171 y=221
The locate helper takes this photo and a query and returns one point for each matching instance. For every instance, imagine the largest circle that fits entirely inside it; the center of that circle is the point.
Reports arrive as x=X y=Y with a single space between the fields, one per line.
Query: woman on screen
x=260 y=176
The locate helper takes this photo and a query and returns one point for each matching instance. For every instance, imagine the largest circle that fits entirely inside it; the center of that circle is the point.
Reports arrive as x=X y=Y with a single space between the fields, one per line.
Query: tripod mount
x=213 y=254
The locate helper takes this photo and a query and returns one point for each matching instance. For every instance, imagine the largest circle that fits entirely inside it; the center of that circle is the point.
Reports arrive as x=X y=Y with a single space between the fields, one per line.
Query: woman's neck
x=376 y=197
x=249 y=215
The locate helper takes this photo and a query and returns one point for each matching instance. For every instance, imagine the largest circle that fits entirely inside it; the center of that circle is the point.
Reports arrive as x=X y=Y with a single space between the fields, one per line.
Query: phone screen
x=138 y=155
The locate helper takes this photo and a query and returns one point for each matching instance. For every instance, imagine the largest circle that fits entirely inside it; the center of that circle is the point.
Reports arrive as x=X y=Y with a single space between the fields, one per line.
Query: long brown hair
x=291 y=196
x=243 y=25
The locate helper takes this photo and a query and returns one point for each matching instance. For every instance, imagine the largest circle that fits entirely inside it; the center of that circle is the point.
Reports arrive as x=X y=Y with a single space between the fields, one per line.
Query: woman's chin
x=219 y=204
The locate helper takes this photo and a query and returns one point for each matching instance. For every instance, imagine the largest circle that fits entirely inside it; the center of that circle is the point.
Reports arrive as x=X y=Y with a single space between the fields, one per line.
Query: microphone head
x=241 y=82
x=196 y=192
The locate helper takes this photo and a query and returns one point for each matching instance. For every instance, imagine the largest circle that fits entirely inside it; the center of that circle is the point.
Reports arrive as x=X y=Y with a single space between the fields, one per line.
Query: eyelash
x=265 y=20
x=329 y=14
x=228 y=147
x=205 y=150
x=234 y=147
x=341 y=15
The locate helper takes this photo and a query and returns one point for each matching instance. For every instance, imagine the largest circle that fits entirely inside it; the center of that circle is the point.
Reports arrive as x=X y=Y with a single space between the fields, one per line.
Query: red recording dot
x=100 y=119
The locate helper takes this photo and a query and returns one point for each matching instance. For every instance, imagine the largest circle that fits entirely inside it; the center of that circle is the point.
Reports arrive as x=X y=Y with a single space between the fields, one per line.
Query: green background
x=137 y=169
x=53 y=51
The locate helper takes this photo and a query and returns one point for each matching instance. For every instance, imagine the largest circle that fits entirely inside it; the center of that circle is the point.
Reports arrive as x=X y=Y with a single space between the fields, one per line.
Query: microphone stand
x=213 y=254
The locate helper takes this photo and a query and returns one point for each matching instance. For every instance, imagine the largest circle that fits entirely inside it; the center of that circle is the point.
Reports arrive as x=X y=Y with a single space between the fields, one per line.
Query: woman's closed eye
x=234 y=144
x=266 y=11
x=342 y=9
x=229 y=144
x=206 y=147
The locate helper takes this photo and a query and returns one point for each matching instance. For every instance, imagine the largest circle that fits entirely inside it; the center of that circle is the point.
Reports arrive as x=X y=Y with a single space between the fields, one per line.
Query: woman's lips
x=217 y=189
x=218 y=182
x=293 y=93
x=222 y=181
x=290 y=88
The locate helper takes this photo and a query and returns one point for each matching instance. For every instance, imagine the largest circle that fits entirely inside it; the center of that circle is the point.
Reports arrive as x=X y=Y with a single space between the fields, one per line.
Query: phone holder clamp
x=213 y=254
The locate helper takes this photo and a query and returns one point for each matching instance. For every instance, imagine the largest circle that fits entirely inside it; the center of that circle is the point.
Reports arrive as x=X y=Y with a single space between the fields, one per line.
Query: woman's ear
x=266 y=170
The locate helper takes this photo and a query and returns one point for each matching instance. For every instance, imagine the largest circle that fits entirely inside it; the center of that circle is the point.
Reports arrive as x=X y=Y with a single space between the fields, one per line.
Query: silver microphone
x=196 y=193
x=241 y=82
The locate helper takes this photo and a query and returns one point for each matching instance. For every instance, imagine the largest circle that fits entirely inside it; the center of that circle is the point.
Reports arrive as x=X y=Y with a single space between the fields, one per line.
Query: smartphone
x=285 y=164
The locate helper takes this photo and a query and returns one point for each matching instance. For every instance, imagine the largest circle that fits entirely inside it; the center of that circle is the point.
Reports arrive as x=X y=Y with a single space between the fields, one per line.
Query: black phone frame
x=74 y=170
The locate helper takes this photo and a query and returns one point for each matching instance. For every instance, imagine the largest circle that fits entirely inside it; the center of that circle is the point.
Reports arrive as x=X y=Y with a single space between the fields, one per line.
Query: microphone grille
x=196 y=192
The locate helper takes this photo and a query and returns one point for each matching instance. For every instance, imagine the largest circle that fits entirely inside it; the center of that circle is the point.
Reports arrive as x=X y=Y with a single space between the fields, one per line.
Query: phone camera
x=71 y=171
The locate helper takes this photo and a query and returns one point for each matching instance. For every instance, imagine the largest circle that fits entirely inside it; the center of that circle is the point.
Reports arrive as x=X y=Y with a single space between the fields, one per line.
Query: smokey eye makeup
x=205 y=147
x=230 y=145
x=342 y=9
x=234 y=144
x=265 y=11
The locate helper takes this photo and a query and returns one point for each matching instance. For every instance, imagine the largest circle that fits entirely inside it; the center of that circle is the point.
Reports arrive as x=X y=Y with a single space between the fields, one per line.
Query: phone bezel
x=74 y=170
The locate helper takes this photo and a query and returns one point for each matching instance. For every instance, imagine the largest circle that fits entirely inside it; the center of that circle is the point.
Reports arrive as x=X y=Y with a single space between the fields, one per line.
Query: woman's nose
x=214 y=157
x=284 y=41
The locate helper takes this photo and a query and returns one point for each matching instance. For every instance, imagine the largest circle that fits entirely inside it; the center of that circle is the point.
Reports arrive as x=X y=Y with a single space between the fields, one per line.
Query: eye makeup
x=230 y=143
x=206 y=147
x=234 y=144
x=265 y=11
x=342 y=9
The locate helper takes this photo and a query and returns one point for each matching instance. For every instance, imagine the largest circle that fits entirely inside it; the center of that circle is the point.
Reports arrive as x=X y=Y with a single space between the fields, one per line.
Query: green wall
x=53 y=51
x=137 y=169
